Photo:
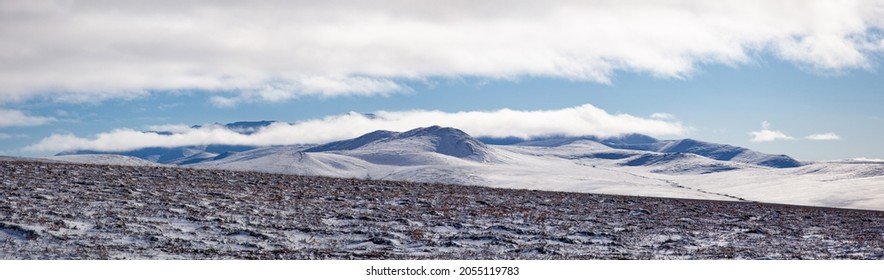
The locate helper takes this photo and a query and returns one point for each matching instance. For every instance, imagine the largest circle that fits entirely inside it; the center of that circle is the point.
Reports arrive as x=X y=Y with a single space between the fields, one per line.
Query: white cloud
x=581 y=120
x=174 y=128
x=823 y=136
x=81 y=51
x=768 y=135
x=322 y=86
x=10 y=118
x=662 y=116
x=868 y=159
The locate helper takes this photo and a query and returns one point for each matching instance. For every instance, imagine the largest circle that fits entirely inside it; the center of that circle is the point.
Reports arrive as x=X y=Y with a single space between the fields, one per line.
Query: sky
x=802 y=78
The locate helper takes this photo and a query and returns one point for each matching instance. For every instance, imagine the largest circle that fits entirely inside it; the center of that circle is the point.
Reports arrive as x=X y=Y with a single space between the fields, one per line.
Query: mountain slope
x=417 y=142
x=641 y=142
x=728 y=153
x=291 y=160
x=443 y=140
x=354 y=143
x=177 y=155
x=680 y=163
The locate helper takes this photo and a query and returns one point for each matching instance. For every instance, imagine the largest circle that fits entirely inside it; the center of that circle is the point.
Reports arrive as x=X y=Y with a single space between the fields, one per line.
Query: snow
x=842 y=185
x=575 y=167
x=77 y=211
x=104 y=159
x=577 y=164
x=291 y=160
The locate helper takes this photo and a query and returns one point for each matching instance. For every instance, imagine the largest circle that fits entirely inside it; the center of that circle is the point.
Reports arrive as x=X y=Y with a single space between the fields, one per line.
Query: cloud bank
x=241 y=51
x=581 y=120
x=766 y=134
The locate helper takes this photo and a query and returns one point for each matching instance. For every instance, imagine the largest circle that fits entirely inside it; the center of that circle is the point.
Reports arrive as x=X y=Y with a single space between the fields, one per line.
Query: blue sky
x=800 y=76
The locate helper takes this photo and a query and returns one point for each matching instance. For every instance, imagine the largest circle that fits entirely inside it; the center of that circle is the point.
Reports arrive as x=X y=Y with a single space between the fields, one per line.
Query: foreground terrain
x=72 y=211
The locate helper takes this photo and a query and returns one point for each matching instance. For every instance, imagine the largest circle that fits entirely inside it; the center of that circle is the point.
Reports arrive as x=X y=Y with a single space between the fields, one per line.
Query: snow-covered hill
x=628 y=165
x=174 y=156
x=448 y=154
x=727 y=153
x=389 y=147
x=639 y=142
x=291 y=160
x=351 y=144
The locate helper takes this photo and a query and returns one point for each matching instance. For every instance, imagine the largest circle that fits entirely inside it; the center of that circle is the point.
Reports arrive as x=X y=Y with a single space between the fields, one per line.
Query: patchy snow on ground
x=75 y=211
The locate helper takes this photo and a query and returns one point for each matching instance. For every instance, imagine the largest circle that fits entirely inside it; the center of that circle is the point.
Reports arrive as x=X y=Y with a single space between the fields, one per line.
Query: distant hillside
x=641 y=142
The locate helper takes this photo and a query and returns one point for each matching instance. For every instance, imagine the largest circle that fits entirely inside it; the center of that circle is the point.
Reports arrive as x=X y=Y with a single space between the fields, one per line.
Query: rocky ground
x=68 y=211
